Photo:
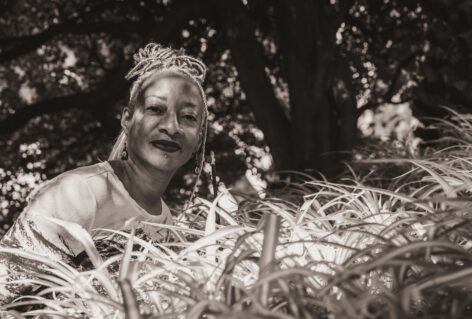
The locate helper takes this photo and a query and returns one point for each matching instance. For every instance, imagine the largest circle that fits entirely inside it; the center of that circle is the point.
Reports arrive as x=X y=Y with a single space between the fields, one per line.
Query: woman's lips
x=166 y=146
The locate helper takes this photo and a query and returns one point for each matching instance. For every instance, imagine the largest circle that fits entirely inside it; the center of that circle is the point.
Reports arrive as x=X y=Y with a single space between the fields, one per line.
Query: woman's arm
x=67 y=197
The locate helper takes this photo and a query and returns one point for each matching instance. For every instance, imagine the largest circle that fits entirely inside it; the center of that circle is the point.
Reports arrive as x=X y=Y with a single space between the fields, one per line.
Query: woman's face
x=165 y=127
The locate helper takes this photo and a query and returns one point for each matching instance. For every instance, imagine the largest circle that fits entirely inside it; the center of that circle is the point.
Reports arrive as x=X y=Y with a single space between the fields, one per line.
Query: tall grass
x=391 y=238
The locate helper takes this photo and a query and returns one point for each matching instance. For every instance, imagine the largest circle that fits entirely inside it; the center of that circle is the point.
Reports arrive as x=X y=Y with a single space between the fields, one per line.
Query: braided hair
x=155 y=58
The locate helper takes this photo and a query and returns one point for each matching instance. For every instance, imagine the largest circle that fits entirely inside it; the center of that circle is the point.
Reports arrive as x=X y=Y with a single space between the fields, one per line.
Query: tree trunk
x=248 y=58
x=305 y=77
x=344 y=103
x=308 y=43
x=322 y=108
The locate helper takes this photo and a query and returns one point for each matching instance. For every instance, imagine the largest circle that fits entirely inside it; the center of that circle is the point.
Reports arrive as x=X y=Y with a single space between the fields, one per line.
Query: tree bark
x=307 y=35
x=248 y=58
x=344 y=103
x=297 y=40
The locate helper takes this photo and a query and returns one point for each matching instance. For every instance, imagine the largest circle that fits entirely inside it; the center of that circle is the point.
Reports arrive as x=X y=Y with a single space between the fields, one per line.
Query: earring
x=197 y=165
x=124 y=153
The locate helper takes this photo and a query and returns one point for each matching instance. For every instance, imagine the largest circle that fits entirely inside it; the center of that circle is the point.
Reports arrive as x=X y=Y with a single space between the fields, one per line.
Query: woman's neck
x=144 y=184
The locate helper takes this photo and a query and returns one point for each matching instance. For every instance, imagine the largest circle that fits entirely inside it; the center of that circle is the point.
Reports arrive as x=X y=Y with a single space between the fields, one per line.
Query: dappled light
x=333 y=179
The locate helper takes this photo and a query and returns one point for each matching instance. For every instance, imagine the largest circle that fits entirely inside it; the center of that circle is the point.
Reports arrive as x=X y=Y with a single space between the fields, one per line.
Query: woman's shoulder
x=76 y=178
x=89 y=171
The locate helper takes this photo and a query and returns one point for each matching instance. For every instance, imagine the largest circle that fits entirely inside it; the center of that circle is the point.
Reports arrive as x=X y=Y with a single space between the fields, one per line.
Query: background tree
x=286 y=77
x=447 y=69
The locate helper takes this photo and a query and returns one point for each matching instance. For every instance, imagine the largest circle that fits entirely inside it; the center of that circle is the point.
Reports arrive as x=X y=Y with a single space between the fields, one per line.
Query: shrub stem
x=271 y=236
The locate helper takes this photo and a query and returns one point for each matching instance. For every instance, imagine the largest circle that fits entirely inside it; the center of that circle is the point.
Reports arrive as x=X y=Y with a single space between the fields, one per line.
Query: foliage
x=280 y=80
x=361 y=247
x=445 y=78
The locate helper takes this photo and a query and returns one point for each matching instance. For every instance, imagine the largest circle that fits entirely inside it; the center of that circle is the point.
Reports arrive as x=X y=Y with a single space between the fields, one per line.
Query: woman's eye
x=156 y=109
x=190 y=117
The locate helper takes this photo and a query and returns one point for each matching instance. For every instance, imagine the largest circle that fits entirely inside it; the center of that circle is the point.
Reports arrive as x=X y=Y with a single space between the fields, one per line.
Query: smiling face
x=165 y=128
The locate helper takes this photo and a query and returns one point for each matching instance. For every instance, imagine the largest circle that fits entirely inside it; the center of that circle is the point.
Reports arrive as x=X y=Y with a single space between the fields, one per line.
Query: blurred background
x=292 y=85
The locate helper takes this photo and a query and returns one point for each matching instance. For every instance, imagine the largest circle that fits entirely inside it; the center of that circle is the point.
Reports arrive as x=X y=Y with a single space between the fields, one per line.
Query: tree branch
x=13 y=47
x=111 y=88
x=105 y=94
x=22 y=45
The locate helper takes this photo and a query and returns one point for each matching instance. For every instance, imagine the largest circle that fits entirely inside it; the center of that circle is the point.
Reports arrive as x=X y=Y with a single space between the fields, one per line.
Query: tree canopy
x=289 y=78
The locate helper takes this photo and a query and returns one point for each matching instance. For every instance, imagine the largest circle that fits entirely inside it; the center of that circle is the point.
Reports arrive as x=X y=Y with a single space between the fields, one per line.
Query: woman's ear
x=125 y=118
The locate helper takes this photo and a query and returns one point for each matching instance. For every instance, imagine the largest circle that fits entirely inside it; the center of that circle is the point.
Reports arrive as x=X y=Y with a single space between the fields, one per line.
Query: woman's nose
x=170 y=125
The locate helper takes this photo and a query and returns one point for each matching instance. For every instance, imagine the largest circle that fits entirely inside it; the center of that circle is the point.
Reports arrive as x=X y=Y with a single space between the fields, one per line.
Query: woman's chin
x=161 y=160
x=163 y=163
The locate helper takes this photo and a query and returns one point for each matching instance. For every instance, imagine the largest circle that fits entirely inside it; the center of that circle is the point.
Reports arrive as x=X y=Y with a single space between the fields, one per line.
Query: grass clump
x=389 y=239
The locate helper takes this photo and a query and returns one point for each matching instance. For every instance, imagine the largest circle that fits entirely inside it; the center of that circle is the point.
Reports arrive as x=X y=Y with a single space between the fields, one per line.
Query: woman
x=163 y=126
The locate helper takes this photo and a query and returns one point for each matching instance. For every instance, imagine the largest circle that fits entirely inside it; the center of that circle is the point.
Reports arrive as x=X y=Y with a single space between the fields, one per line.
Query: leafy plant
x=363 y=246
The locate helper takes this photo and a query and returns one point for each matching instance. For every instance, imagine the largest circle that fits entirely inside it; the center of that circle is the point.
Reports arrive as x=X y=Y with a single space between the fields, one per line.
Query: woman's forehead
x=165 y=84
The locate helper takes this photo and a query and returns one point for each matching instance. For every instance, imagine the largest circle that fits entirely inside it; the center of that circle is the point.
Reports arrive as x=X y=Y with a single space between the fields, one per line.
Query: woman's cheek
x=194 y=141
